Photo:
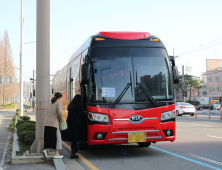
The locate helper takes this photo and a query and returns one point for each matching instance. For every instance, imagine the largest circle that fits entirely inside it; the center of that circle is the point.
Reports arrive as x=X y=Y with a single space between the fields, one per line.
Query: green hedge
x=23 y=121
x=195 y=103
x=26 y=126
x=27 y=106
x=27 y=137
x=25 y=131
x=18 y=112
x=25 y=118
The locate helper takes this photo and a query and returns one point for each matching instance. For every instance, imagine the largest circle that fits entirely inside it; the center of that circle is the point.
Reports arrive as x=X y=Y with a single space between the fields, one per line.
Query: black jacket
x=77 y=126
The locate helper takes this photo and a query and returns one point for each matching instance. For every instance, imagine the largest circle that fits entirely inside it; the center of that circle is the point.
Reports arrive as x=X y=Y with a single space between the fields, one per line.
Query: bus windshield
x=129 y=75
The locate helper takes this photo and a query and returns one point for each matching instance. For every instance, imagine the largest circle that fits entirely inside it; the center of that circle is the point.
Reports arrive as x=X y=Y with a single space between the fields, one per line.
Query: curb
x=59 y=164
x=26 y=157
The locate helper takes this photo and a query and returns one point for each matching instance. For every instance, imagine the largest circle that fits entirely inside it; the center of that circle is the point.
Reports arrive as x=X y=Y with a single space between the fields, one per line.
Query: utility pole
x=21 y=65
x=42 y=71
x=33 y=92
x=183 y=81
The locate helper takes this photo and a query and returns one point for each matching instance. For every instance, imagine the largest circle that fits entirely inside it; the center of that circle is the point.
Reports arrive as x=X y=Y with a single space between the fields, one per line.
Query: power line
x=196 y=49
x=203 y=67
x=205 y=36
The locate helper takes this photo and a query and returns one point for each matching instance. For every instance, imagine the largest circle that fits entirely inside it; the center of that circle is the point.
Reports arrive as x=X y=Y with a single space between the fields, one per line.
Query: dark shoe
x=74 y=156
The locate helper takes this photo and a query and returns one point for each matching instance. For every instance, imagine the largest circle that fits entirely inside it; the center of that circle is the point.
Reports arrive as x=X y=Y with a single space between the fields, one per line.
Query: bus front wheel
x=144 y=144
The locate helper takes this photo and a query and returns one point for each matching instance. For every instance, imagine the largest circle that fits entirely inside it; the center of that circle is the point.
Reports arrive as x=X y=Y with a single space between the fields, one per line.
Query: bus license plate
x=137 y=136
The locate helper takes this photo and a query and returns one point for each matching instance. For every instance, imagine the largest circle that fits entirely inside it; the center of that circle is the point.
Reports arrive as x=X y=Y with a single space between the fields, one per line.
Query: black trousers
x=74 y=148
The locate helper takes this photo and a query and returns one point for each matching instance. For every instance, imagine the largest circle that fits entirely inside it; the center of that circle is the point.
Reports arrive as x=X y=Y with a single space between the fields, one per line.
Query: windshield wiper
x=146 y=93
x=124 y=91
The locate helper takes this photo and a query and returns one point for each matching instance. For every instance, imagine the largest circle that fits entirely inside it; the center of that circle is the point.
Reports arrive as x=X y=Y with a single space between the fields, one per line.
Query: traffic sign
x=203 y=99
x=210 y=98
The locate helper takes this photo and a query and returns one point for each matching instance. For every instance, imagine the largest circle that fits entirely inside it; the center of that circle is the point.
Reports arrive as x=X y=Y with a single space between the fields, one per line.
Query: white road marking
x=3 y=157
x=201 y=125
x=205 y=159
x=214 y=137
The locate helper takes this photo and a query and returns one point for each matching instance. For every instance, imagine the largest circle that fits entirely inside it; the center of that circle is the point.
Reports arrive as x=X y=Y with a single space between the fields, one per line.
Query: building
x=214 y=78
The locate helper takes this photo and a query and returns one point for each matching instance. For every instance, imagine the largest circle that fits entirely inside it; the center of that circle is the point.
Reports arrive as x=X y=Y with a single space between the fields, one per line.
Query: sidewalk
x=217 y=112
x=70 y=164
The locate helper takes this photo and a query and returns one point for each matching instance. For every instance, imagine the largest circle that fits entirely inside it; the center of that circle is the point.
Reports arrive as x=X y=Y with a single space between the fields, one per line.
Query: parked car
x=184 y=108
x=204 y=107
x=216 y=105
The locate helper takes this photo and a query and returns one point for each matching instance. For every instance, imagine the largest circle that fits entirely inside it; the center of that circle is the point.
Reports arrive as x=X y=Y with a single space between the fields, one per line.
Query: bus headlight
x=98 y=117
x=167 y=115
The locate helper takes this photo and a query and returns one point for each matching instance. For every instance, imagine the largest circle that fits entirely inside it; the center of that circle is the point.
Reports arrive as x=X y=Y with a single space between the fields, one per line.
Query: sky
x=190 y=30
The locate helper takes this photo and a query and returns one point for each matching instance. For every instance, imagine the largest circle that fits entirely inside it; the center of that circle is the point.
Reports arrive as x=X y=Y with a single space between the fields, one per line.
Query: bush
x=27 y=137
x=27 y=106
x=26 y=126
x=19 y=122
x=195 y=103
x=18 y=113
x=25 y=118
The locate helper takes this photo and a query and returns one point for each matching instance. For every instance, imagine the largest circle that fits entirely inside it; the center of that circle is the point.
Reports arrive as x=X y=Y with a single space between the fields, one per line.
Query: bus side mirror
x=172 y=60
x=85 y=73
x=175 y=75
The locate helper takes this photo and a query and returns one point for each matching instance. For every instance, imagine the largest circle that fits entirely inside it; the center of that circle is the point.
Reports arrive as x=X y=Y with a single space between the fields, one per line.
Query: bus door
x=69 y=85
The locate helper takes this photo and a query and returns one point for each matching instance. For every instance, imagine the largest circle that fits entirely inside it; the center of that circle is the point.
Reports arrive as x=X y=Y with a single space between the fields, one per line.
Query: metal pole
x=33 y=86
x=183 y=81
x=21 y=65
x=42 y=71
x=30 y=99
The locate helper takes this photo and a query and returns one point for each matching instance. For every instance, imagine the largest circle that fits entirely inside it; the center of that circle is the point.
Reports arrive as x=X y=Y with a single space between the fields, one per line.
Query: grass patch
x=12 y=126
x=8 y=106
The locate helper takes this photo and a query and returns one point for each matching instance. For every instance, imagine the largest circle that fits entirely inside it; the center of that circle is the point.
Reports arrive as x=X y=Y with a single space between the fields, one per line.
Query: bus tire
x=83 y=145
x=144 y=144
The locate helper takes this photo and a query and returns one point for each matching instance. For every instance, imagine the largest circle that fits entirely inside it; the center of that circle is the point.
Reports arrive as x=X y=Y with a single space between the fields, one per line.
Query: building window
x=209 y=79
x=211 y=89
x=218 y=88
x=218 y=79
x=204 y=93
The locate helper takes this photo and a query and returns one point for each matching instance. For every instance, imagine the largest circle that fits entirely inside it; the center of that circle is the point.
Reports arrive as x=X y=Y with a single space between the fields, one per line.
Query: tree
x=190 y=84
x=7 y=91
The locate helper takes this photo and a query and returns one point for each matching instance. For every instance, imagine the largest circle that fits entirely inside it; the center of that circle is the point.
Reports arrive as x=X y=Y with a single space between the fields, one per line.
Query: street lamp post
x=21 y=64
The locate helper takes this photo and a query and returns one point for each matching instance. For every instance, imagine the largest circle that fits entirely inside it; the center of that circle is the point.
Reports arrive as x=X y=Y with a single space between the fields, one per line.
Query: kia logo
x=136 y=119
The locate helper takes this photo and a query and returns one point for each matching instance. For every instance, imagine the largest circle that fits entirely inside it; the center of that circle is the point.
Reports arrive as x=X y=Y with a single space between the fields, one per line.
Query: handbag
x=63 y=125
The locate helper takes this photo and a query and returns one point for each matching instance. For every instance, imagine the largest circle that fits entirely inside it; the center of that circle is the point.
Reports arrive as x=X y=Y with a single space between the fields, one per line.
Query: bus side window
x=75 y=69
x=58 y=83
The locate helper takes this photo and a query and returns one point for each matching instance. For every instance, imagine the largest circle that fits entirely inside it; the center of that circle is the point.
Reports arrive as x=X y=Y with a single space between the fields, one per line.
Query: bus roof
x=125 y=35
x=112 y=37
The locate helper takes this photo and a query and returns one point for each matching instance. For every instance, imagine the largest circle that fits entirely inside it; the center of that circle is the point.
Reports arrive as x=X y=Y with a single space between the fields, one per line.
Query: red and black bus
x=127 y=82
